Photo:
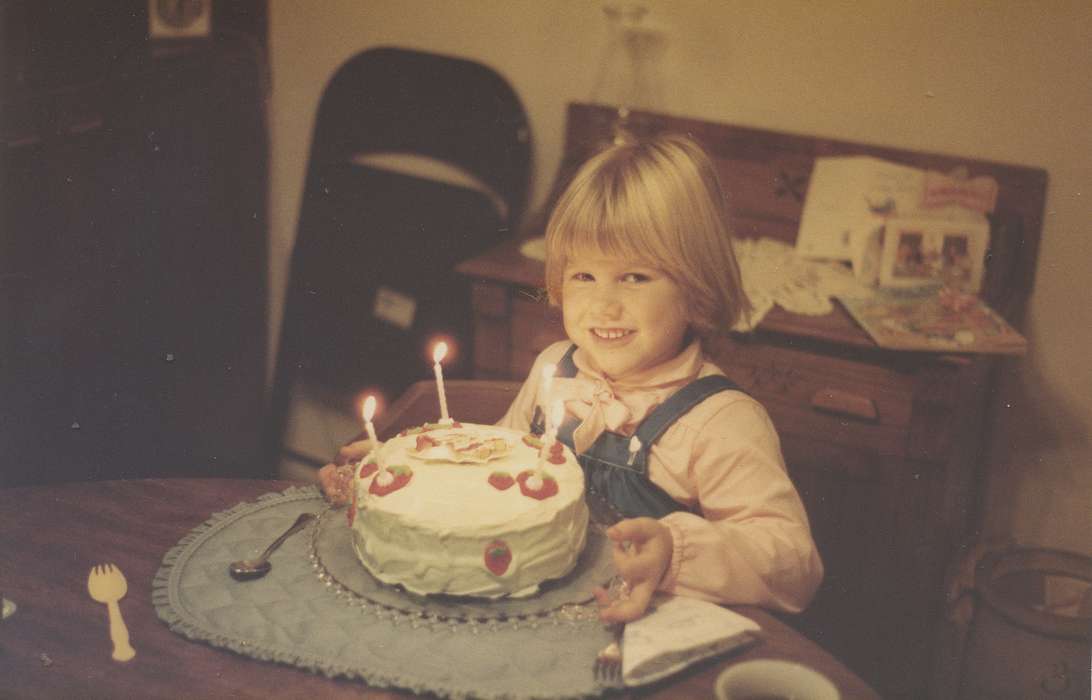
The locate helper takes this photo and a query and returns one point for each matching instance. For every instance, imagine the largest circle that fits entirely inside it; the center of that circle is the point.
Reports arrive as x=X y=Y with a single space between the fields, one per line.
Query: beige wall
x=1006 y=80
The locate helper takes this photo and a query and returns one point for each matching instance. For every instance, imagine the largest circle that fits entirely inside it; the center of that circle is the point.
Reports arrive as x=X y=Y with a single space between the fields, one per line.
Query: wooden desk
x=893 y=497
x=57 y=644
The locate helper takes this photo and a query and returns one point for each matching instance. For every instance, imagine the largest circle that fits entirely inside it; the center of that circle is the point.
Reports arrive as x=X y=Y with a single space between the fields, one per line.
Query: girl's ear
x=687 y=312
x=693 y=327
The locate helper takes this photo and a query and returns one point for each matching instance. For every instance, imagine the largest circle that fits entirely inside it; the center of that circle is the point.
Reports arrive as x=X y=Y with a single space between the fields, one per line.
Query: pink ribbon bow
x=597 y=407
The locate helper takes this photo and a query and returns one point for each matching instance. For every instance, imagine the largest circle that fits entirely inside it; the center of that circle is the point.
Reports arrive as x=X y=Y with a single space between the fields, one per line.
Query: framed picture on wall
x=924 y=252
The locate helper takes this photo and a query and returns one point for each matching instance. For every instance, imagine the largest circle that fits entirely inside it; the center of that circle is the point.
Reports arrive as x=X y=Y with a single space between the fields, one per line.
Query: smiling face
x=627 y=316
x=656 y=203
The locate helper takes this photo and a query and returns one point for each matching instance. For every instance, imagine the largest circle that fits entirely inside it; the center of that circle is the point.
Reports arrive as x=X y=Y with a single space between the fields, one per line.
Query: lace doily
x=774 y=274
x=293 y=616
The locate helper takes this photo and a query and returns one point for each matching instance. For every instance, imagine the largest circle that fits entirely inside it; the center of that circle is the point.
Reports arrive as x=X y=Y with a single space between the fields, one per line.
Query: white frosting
x=431 y=534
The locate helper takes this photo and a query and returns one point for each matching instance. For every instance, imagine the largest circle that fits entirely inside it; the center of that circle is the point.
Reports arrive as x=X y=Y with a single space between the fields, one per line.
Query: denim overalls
x=615 y=474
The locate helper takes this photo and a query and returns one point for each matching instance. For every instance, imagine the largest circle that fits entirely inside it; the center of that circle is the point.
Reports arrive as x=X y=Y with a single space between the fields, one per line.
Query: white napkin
x=678 y=632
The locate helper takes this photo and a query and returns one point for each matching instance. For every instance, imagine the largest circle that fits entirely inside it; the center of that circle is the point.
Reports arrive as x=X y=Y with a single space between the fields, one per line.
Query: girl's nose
x=607 y=302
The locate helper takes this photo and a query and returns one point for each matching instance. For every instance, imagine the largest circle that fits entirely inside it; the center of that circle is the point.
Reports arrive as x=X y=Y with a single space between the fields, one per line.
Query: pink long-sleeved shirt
x=751 y=543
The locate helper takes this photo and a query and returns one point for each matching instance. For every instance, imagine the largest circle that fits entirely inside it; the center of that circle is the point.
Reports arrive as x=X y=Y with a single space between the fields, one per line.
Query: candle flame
x=439 y=352
x=369 y=408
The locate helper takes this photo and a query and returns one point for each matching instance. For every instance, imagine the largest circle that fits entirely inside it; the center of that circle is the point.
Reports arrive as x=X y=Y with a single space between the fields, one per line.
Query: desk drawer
x=862 y=407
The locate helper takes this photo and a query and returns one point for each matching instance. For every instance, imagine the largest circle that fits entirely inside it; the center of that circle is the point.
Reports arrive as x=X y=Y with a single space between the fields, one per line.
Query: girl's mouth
x=611 y=333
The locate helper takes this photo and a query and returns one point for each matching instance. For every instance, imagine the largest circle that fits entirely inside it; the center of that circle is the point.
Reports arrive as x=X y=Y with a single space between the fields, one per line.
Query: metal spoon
x=247 y=569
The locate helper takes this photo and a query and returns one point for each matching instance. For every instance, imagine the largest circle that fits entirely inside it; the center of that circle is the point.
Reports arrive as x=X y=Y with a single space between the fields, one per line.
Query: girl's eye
x=634 y=277
x=581 y=277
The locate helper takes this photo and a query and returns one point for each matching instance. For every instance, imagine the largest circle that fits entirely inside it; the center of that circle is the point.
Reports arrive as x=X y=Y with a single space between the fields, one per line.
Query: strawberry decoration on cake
x=367 y=469
x=536 y=484
x=390 y=480
x=557 y=453
x=497 y=557
x=501 y=481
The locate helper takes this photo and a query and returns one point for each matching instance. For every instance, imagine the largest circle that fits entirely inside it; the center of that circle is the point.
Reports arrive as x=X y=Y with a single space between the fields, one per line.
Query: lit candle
x=438 y=354
x=557 y=414
x=548 y=372
x=553 y=420
x=369 y=413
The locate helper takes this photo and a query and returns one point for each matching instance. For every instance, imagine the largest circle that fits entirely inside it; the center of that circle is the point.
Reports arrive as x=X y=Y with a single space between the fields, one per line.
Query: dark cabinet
x=133 y=250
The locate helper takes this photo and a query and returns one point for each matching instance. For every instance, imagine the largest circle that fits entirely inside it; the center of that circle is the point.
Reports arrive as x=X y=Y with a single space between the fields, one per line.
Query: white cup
x=769 y=679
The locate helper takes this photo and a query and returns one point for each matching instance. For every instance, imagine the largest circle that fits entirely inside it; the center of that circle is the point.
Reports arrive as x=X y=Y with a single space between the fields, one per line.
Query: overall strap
x=618 y=477
x=565 y=366
x=661 y=418
x=625 y=483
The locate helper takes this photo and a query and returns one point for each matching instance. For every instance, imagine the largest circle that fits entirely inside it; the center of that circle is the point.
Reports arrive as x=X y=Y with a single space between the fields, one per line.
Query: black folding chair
x=372 y=279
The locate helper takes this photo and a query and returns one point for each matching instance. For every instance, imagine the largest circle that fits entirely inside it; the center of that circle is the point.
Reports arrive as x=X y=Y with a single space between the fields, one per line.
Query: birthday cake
x=468 y=510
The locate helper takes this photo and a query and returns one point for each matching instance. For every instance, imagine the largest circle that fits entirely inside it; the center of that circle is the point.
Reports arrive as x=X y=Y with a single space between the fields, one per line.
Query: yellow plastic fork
x=106 y=584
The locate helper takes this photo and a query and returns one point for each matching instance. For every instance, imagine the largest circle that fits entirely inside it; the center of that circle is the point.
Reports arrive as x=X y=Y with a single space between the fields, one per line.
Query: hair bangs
x=615 y=229
x=607 y=216
x=656 y=202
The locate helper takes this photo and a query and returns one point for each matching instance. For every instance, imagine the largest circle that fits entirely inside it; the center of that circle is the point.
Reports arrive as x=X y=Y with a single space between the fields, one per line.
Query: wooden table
x=57 y=644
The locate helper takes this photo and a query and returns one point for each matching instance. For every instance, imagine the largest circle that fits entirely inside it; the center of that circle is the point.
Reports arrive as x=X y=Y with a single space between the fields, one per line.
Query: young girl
x=639 y=258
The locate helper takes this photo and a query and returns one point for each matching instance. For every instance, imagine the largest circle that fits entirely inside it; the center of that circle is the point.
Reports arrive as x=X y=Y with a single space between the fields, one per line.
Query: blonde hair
x=657 y=202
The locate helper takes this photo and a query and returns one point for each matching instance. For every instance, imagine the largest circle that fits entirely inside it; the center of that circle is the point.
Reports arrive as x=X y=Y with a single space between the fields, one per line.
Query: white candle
x=438 y=354
x=553 y=419
x=548 y=372
x=369 y=413
x=557 y=414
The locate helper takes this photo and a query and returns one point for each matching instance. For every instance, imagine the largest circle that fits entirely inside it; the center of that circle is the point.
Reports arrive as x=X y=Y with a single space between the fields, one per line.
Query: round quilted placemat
x=297 y=615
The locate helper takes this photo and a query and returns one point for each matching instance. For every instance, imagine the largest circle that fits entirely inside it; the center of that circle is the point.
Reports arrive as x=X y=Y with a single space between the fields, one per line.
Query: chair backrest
x=454 y=110
x=372 y=277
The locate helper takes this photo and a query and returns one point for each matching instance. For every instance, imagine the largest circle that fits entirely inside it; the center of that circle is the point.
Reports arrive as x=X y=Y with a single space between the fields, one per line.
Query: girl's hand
x=336 y=478
x=642 y=549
